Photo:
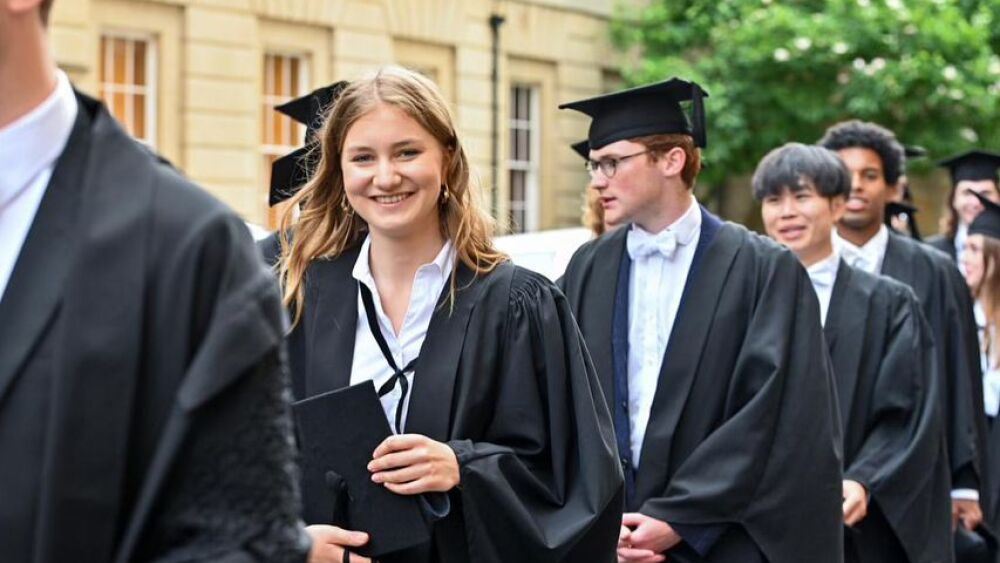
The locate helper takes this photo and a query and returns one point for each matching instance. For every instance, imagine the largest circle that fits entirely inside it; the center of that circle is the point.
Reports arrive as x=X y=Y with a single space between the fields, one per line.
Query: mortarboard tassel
x=698 y=116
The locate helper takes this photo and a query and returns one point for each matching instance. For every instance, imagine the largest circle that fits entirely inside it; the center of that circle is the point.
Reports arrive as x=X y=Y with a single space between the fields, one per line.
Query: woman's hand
x=411 y=464
x=329 y=543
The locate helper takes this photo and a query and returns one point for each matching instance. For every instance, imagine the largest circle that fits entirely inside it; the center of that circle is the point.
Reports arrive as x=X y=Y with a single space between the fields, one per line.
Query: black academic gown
x=745 y=400
x=143 y=410
x=947 y=305
x=888 y=389
x=944 y=244
x=504 y=378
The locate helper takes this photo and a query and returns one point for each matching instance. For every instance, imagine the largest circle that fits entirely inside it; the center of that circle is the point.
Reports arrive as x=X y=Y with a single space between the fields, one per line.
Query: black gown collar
x=331 y=322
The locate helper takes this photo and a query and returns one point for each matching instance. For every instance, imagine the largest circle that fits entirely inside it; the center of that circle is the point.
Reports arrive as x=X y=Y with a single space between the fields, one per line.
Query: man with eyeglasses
x=708 y=343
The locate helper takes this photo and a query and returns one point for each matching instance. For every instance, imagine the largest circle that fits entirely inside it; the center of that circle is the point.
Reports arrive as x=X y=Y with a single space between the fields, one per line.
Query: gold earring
x=345 y=206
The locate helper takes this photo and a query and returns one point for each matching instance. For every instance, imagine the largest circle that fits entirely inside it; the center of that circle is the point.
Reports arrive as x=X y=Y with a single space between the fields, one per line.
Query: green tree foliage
x=784 y=70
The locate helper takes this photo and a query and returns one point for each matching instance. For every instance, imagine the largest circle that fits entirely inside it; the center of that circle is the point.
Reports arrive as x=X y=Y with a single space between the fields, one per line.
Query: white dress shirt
x=961 y=233
x=660 y=265
x=369 y=363
x=823 y=275
x=991 y=371
x=29 y=148
x=868 y=257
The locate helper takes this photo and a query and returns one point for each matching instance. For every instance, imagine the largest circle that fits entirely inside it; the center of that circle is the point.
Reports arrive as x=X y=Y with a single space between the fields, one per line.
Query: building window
x=523 y=164
x=127 y=83
x=285 y=77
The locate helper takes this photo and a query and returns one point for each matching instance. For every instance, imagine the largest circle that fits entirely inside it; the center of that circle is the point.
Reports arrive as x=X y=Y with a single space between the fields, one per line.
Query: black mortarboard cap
x=291 y=171
x=914 y=152
x=973 y=165
x=288 y=173
x=582 y=148
x=987 y=223
x=652 y=109
x=310 y=109
x=895 y=208
x=338 y=432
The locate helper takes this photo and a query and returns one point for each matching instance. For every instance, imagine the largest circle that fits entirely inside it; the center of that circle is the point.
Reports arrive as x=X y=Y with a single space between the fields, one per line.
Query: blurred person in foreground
x=143 y=400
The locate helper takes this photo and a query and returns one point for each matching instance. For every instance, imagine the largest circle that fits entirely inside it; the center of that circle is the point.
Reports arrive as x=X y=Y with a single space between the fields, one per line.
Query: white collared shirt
x=654 y=298
x=823 y=275
x=29 y=148
x=869 y=256
x=991 y=372
x=369 y=363
x=961 y=233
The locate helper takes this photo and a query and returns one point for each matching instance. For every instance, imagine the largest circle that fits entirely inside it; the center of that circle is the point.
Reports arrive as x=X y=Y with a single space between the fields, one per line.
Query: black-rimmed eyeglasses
x=608 y=166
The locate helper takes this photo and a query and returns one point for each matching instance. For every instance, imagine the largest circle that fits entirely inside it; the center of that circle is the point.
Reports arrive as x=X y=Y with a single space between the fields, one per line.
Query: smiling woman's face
x=393 y=172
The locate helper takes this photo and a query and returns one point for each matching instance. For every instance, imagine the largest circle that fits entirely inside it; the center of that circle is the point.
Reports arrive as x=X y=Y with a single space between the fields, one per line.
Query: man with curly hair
x=875 y=160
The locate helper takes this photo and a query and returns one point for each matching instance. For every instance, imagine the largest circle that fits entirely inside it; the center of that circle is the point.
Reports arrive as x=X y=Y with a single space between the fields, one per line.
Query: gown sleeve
x=543 y=483
x=901 y=460
x=961 y=351
x=230 y=494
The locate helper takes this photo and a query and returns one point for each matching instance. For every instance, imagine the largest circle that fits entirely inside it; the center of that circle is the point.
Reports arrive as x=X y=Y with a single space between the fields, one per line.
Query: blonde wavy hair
x=326 y=227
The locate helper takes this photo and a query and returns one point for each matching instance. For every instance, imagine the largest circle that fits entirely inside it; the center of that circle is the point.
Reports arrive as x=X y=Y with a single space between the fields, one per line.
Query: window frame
x=150 y=89
x=530 y=167
x=268 y=152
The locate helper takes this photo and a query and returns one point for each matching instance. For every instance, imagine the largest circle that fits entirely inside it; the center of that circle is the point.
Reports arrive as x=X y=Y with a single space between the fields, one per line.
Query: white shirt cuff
x=965 y=494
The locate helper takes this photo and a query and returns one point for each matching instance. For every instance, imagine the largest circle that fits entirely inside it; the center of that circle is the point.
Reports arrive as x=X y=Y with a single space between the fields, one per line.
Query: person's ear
x=672 y=162
x=896 y=190
x=838 y=204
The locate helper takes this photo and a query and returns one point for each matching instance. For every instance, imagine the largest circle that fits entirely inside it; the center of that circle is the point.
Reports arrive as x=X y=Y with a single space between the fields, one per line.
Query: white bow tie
x=858 y=259
x=641 y=244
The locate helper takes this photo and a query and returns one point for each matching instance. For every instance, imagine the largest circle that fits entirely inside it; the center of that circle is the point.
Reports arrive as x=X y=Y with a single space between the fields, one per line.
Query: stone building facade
x=197 y=80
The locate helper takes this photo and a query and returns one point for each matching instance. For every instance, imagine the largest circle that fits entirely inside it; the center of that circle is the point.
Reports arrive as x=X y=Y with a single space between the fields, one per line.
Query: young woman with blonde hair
x=391 y=263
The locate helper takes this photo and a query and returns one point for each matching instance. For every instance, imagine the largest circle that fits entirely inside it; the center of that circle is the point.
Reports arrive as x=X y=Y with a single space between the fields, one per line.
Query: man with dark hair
x=896 y=477
x=706 y=338
x=143 y=396
x=874 y=156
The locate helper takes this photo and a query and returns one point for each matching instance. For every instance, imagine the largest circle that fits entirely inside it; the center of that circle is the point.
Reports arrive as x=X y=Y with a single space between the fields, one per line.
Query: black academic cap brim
x=900 y=208
x=987 y=223
x=310 y=109
x=972 y=165
x=288 y=174
x=582 y=148
x=338 y=433
x=914 y=152
x=653 y=109
x=896 y=208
